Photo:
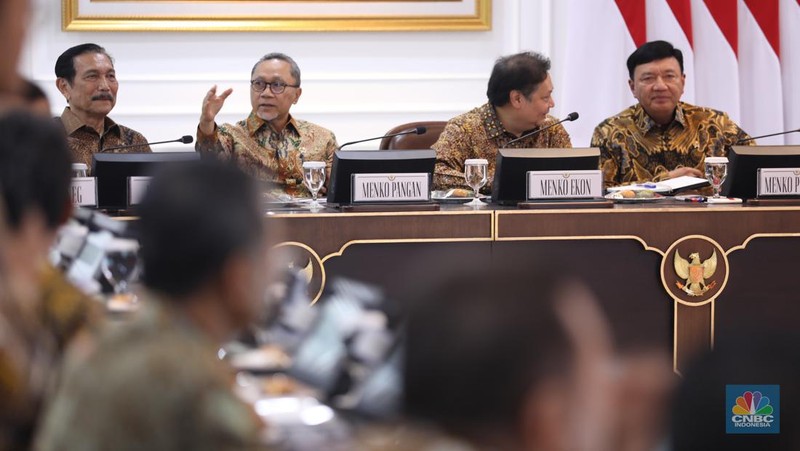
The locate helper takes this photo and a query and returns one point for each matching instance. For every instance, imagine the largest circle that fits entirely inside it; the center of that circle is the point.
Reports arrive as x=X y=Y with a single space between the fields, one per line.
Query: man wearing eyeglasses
x=270 y=144
x=660 y=137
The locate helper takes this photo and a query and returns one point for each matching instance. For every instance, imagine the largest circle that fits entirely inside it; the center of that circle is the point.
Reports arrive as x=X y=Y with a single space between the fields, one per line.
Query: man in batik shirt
x=520 y=96
x=270 y=144
x=88 y=81
x=661 y=137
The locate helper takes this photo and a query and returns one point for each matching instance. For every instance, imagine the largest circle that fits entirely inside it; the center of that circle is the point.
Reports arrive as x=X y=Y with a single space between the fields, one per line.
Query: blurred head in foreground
x=156 y=382
x=34 y=183
x=202 y=239
x=512 y=359
x=701 y=413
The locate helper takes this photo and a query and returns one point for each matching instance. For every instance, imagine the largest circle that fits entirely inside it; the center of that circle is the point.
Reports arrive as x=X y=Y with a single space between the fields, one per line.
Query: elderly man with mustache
x=87 y=80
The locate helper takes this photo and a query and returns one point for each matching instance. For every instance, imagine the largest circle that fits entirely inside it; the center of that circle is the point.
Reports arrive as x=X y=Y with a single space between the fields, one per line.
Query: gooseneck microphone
x=416 y=131
x=570 y=117
x=186 y=139
x=741 y=141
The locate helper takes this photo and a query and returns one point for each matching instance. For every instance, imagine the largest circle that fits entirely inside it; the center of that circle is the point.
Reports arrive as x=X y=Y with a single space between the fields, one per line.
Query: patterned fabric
x=33 y=338
x=84 y=141
x=634 y=149
x=478 y=134
x=154 y=383
x=271 y=156
x=65 y=310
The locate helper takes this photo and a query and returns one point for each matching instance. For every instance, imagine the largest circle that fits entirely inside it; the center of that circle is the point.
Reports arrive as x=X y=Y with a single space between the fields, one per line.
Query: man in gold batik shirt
x=661 y=137
x=520 y=95
x=270 y=144
x=88 y=81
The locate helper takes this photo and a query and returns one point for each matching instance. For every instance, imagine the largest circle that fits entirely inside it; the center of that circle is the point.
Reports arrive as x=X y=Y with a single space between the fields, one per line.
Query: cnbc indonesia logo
x=751 y=410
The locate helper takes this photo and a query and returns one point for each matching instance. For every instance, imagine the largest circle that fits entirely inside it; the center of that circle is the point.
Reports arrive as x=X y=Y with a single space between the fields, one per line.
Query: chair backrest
x=413 y=142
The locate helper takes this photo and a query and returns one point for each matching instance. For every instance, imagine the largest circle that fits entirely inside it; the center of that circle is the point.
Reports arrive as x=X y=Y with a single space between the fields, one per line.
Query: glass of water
x=475 y=176
x=314 y=179
x=120 y=265
x=716 y=171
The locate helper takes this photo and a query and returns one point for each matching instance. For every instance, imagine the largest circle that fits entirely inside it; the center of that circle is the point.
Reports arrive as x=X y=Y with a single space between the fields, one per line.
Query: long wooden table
x=625 y=254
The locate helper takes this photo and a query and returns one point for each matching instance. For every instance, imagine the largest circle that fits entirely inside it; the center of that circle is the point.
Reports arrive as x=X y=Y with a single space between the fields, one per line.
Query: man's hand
x=692 y=172
x=212 y=103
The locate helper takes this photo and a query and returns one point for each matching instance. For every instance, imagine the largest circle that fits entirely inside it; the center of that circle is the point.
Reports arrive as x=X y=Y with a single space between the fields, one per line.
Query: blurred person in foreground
x=35 y=99
x=700 y=413
x=42 y=313
x=86 y=77
x=156 y=383
x=661 y=137
x=520 y=96
x=14 y=17
x=270 y=144
x=513 y=360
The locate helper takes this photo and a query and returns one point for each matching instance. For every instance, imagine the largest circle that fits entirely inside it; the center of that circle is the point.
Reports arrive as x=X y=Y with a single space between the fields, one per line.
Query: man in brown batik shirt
x=87 y=80
x=270 y=144
x=520 y=96
x=661 y=137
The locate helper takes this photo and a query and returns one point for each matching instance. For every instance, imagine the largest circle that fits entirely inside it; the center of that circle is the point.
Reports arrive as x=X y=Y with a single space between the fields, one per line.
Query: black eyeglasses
x=276 y=87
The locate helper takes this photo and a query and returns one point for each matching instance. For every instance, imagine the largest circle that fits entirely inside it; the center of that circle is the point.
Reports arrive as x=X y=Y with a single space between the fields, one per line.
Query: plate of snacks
x=634 y=197
x=455 y=195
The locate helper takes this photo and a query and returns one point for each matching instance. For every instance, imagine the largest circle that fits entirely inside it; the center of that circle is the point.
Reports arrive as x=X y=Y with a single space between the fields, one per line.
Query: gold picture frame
x=276 y=15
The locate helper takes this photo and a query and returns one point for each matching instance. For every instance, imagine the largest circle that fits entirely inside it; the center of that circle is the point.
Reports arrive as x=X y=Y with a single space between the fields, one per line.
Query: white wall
x=358 y=84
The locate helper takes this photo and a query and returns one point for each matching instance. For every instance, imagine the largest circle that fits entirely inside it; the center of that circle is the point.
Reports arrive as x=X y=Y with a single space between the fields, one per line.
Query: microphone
x=416 y=131
x=186 y=139
x=570 y=117
x=765 y=136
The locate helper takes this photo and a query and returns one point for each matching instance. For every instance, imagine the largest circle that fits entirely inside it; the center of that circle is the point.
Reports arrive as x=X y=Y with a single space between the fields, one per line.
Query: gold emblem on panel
x=302 y=260
x=699 y=278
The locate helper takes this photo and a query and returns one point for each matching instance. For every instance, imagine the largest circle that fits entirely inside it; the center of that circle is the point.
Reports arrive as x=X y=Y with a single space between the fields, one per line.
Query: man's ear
x=630 y=85
x=515 y=98
x=62 y=84
x=297 y=97
x=68 y=209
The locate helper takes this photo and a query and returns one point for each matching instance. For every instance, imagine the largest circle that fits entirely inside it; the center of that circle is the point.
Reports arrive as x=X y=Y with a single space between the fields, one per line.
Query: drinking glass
x=120 y=264
x=716 y=170
x=314 y=178
x=79 y=169
x=475 y=175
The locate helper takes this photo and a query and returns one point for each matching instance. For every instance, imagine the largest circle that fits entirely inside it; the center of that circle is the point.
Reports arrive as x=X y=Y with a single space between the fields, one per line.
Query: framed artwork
x=276 y=15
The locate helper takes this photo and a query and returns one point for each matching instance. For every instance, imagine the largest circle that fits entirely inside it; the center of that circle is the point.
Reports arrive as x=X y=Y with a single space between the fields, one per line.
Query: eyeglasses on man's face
x=276 y=87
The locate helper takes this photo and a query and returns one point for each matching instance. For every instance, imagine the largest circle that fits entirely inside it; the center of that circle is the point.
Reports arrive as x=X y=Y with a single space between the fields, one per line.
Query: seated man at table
x=269 y=144
x=661 y=137
x=156 y=382
x=88 y=81
x=520 y=96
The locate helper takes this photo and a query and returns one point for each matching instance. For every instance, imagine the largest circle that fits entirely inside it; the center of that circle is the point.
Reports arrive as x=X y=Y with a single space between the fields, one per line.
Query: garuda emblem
x=695 y=273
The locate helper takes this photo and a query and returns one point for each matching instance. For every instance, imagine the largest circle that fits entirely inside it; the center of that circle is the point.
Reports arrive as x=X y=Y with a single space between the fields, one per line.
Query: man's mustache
x=103 y=97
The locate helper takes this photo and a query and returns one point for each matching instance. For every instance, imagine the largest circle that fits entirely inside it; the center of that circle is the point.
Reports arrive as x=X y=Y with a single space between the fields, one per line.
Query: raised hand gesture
x=212 y=104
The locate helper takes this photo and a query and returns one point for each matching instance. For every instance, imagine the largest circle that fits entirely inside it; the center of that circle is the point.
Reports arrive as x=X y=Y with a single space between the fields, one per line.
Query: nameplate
x=409 y=187
x=136 y=188
x=84 y=191
x=774 y=182
x=565 y=184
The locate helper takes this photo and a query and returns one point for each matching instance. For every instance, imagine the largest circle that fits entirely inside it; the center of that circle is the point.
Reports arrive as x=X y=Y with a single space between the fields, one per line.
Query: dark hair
x=31 y=92
x=35 y=169
x=294 y=69
x=653 y=51
x=478 y=342
x=194 y=217
x=65 y=64
x=522 y=72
